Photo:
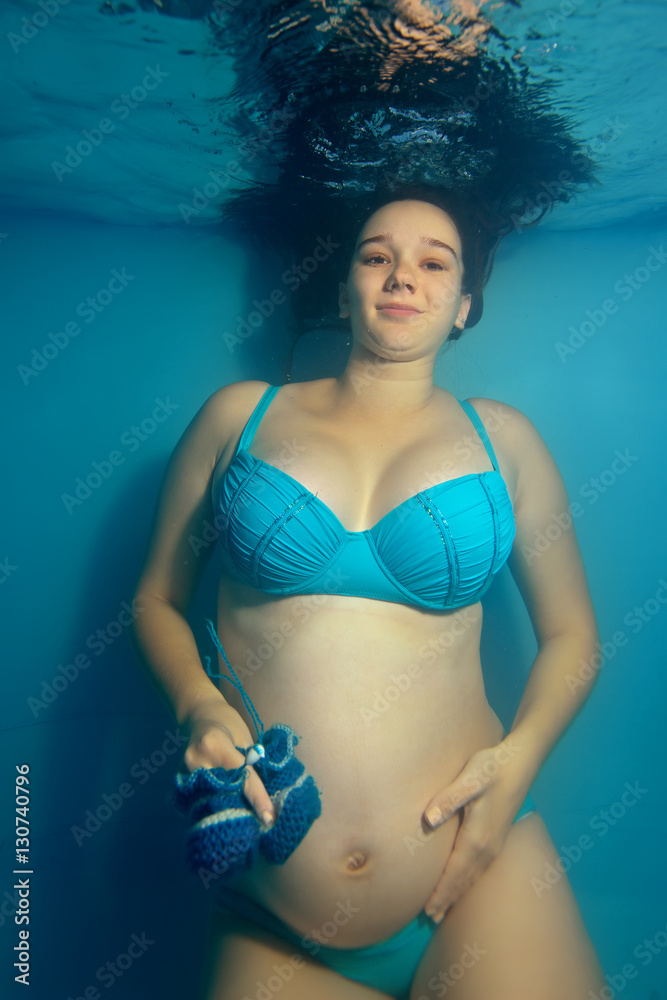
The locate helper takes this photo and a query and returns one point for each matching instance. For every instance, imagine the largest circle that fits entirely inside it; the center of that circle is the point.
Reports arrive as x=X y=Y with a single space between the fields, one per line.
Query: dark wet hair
x=299 y=222
x=468 y=133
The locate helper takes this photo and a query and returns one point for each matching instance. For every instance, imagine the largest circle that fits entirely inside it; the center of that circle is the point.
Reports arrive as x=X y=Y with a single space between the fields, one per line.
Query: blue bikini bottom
x=388 y=965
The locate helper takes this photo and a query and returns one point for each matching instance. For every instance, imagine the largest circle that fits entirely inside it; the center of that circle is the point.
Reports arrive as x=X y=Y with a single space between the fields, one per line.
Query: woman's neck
x=372 y=384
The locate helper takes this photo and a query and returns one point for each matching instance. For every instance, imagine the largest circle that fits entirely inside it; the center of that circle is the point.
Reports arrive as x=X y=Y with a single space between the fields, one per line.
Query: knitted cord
x=234 y=681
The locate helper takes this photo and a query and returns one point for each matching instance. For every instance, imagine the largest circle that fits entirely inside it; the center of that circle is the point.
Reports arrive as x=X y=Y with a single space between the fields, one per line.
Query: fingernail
x=267 y=817
x=434 y=816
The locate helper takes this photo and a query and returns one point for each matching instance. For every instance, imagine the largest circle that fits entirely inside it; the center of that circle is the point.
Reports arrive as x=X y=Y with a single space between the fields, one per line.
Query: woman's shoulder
x=504 y=421
x=223 y=413
x=230 y=406
x=513 y=434
x=234 y=392
x=235 y=399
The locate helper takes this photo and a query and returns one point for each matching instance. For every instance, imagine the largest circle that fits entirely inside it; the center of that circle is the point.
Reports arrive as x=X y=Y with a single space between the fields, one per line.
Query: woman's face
x=407 y=254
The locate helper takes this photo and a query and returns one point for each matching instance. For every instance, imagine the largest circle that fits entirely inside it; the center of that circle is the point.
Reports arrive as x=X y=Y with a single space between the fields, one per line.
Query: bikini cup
x=439 y=549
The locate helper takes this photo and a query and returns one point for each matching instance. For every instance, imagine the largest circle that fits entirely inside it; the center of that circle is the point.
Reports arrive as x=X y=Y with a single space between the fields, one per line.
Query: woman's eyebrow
x=430 y=241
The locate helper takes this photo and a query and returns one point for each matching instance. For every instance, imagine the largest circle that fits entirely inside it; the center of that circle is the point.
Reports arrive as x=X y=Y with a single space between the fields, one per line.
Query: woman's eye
x=429 y=263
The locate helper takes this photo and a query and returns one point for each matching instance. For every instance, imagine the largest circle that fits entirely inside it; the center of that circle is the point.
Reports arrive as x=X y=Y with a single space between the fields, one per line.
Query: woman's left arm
x=547 y=567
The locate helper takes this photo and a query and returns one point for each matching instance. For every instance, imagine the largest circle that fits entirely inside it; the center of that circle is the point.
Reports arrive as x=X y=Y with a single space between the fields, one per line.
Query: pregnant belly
x=350 y=884
x=388 y=707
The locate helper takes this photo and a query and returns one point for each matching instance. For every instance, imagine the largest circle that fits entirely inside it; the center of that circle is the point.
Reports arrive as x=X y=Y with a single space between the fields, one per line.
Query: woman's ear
x=464 y=309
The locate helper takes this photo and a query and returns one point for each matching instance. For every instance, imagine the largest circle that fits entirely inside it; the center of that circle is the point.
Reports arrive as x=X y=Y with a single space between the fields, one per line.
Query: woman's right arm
x=172 y=569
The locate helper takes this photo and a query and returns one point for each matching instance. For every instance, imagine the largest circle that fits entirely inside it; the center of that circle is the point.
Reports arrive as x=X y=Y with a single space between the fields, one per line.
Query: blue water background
x=157 y=350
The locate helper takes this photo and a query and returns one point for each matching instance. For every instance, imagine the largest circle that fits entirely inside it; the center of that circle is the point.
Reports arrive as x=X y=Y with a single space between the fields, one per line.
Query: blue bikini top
x=438 y=550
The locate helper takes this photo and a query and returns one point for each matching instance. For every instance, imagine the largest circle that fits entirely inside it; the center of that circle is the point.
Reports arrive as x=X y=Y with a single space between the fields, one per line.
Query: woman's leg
x=508 y=938
x=247 y=962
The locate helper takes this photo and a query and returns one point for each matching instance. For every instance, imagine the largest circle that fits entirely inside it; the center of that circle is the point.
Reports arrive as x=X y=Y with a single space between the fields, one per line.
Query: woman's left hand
x=490 y=793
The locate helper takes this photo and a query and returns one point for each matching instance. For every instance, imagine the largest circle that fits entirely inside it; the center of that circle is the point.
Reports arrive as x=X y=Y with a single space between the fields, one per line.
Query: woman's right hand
x=214 y=730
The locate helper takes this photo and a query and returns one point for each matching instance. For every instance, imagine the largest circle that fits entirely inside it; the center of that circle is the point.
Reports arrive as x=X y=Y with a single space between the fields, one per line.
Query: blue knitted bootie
x=295 y=796
x=224 y=833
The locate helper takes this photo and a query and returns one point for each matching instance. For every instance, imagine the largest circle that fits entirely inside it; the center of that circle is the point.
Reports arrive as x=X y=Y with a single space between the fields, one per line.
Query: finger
x=464 y=867
x=216 y=749
x=213 y=750
x=258 y=797
x=448 y=891
x=446 y=803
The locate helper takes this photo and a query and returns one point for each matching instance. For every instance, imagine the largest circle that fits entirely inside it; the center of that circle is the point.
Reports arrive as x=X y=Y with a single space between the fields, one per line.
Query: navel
x=355 y=861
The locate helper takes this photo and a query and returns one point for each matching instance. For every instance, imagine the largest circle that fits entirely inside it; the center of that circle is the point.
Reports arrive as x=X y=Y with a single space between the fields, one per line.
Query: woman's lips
x=398 y=311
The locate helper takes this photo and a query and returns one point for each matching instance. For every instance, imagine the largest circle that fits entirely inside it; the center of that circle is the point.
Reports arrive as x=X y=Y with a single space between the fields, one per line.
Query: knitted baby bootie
x=295 y=796
x=224 y=834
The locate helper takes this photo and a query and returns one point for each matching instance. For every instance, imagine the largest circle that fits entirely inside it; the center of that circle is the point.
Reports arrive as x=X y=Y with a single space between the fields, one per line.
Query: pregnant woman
x=361 y=519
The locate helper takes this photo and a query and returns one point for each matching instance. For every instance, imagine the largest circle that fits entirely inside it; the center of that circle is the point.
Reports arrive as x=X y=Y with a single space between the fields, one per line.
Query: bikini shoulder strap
x=255 y=417
x=481 y=430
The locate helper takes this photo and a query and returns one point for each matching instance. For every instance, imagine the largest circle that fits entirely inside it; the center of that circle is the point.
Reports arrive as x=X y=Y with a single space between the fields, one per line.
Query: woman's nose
x=401 y=274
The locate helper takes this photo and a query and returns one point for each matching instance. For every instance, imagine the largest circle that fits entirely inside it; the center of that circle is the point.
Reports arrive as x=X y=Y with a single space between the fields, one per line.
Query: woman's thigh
x=508 y=938
x=247 y=962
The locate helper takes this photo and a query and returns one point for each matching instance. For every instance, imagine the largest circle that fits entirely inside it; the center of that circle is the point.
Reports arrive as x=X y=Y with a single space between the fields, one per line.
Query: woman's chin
x=388 y=348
